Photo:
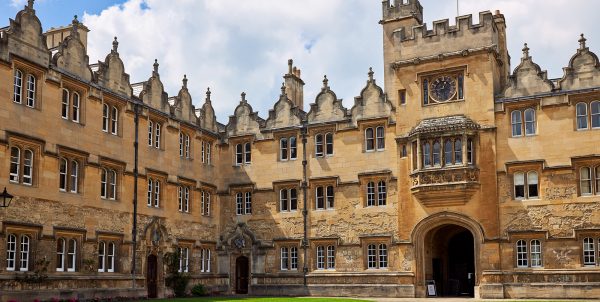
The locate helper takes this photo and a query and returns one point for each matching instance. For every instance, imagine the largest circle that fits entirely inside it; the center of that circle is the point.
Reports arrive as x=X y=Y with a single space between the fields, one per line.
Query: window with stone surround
x=205 y=202
x=108 y=183
x=589 y=180
x=206 y=152
x=288 y=148
x=205 y=260
x=154 y=192
x=154 y=134
x=325 y=257
x=22 y=167
x=445 y=152
x=243 y=203
x=184 y=259
x=71 y=105
x=288 y=258
x=376 y=193
x=184 y=145
x=183 y=198
x=324 y=197
x=243 y=153
x=66 y=253
x=25 y=88
x=523 y=121
x=18 y=248
x=528 y=253
x=589 y=251
x=110 y=118
x=288 y=199
x=107 y=253
x=324 y=144
x=587 y=115
x=69 y=171
x=374 y=139
x=526 y=185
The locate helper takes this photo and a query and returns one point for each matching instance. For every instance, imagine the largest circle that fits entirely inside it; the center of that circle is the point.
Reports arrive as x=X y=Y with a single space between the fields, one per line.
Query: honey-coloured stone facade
x=458 y=173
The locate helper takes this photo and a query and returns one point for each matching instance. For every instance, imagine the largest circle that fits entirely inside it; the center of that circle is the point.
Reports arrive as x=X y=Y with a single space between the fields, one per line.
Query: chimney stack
x=294 y=86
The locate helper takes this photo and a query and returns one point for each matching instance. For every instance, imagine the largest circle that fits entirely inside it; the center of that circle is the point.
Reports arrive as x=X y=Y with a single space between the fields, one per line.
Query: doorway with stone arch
x=242 y=274
x=447 y=251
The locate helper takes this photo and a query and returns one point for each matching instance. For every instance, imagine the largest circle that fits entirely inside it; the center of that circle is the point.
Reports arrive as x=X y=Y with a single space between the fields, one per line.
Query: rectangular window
x=239 y=203
x=536 y=253
x=380 y=133
x=294 y=258
x=589 y=251
x=402 y=97
x=208 y=155
x=522 y=259
x=248 y=209
x=320 y=257
x=330 y=257
x=284 y=258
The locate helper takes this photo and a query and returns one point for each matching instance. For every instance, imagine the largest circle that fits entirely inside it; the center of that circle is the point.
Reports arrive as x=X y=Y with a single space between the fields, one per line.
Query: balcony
x=447 y=186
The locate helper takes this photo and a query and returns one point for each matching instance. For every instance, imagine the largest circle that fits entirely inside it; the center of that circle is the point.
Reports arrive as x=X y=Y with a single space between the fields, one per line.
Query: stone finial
x=30 y=4
x=184 y=81
x=115 y=45
x=283 y=89
x=75 y=28
x=244 y=98
x=582 y=42
x=525 y=51
x=325 y=82
x=155 y=72
x=290 y=64
x=208 y=94
x=370 y=74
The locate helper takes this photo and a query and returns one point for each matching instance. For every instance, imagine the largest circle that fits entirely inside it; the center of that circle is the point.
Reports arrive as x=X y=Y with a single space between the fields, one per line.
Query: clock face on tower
x=443 y=88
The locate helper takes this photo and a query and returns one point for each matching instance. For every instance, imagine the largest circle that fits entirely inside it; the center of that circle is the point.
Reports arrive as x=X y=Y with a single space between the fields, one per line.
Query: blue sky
x=243 y=45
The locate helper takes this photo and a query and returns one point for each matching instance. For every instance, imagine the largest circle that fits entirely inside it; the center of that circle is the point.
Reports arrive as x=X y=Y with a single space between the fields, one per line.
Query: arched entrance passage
x=450 y=260
x=447 y=246
x=242 y=269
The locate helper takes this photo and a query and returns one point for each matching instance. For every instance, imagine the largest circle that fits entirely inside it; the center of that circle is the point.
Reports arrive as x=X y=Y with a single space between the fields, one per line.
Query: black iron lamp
x=5 y=199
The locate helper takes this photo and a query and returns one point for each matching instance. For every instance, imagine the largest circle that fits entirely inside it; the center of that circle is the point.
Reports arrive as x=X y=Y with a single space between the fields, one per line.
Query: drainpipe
x=304 y=133
x=135 y=189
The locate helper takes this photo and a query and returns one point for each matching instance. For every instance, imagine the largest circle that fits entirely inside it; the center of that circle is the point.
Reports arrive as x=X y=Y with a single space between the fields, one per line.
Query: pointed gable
x=111 y=73
x=207 y=117
x=72 y=56
x=371 y=103
x=244 y=120
x=25 y=38
x=183 y=107
x=528 y=78
x=153 y=94
x=284 y=113
x=583 y=70
x=327 y=107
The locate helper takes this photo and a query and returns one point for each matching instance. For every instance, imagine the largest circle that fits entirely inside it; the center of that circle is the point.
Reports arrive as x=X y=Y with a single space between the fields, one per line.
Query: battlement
x=399 y=9
x=463 y=37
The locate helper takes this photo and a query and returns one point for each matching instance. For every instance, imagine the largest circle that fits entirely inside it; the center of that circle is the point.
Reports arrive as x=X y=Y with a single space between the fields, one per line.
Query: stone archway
x=437 y=239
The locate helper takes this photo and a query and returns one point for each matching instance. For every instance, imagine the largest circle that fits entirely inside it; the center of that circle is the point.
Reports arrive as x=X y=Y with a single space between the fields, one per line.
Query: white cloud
x=17 y=3
x=234 y=46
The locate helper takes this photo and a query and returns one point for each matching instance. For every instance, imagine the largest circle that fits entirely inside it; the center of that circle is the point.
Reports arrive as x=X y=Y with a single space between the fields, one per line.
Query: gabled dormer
x=284 y=113
x=111 y=73
x=244 y=120
x=372 y=103
x=24 y=38
x=583 y=70
x=327 y=107
x=206 y=115
x=153 y=92
x=72 y=57
x=527 y=79
x=183 y=108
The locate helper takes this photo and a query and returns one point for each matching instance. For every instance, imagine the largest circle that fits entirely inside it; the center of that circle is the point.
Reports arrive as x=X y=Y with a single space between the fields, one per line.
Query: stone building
x=450 y=175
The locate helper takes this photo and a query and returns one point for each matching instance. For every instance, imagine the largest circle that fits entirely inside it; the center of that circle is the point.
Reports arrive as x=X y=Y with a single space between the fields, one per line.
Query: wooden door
x=242 y=270
x=152 y=276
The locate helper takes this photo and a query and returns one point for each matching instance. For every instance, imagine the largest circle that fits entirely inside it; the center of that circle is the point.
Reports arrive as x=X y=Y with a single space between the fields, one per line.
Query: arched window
x=30 y=90
x=65 y=104
x=114 y=118
x=532 y=184
x=24 y=257
x=582 y=119
x=62 y=171
x=536 y=253
x=75 y=112
x=239 y=154
x=157 y=128
x=589 y=251
x=74 y=176
x=156 y=193
x=110 y=258
x=529 y=121
x=383 y=256
x=448 y=152
x=522 y=257
x=11 y=252
x=595 y=114
x=103 y=183
x=150 y=129
x=380 y=133
x=15 y=162
x=426 y=155
x=101 y=256
x=60 y=254
x=517 y=123
x=381 y=193
x=436 y=153
x=105 y=118
x=329 y=143
x=293 y=148
x=519 y=182
x=371 y=256
x=18 y=86
x=319 y=145
x=585 y=180
x=72 y=255
x=370 y=194
x=458 y=151
x=369 y=139
x=283 y=148
x=247 y=153
x=28 y=167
